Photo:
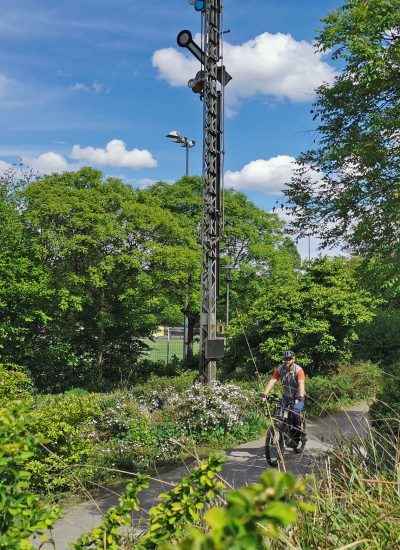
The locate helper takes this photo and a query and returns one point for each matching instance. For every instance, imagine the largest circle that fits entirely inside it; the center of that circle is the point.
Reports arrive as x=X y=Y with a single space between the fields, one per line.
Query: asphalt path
x=244 y=466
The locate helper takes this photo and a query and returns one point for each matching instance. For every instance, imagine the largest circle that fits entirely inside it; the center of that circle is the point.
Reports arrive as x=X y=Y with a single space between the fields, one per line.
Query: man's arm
x=302 y=385
x=269 y=387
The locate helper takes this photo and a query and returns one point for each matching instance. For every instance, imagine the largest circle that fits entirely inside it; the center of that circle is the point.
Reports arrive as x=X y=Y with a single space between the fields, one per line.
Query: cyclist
x=293 y=380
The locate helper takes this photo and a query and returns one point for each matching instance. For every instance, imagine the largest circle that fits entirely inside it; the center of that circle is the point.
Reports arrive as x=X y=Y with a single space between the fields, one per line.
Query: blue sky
x=78 y=75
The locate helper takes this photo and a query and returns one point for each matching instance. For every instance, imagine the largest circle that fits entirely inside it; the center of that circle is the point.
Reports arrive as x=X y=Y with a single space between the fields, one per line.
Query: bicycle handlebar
x=277 y=400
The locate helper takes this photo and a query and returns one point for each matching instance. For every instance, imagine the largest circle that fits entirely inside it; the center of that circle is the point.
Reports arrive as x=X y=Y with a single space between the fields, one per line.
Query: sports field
x=163 y=349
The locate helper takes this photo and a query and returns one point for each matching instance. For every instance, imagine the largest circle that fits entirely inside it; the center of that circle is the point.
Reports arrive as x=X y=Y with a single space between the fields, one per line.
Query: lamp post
x=188 y=144
x=184 y=142
x=228 y=280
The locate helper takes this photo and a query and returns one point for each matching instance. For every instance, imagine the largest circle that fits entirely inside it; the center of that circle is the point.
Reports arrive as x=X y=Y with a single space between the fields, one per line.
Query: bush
x=158 y=390
x=387 y=404
x=14 y=384
x=57 y=367
x=118 y=410
x=379 y=340
x=132 y=438
x=61 y=420
x=251 y=425
x=352 y=383
x=21 y=513
x=204 y=409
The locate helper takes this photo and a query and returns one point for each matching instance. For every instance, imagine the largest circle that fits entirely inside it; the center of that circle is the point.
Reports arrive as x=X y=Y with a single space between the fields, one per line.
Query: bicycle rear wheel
x=274 y=446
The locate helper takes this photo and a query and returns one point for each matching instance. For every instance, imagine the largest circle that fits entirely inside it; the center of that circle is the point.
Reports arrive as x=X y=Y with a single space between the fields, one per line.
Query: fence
x=165 y=347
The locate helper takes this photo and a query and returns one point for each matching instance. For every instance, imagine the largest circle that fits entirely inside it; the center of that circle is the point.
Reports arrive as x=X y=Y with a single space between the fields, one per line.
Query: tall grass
x=356 y=495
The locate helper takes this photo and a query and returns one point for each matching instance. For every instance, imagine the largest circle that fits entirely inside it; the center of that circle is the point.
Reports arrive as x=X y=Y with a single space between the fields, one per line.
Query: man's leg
x=296 y=423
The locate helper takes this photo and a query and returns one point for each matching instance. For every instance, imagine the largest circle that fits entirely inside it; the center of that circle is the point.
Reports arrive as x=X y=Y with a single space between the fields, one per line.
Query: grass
x=356 y=495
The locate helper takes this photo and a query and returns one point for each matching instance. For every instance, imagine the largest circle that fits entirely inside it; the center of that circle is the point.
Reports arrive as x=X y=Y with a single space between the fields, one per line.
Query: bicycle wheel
x=273 y=446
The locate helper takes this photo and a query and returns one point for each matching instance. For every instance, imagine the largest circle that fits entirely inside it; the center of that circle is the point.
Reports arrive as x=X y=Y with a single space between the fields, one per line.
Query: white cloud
x=49 y=163
x=95 y=87
x=79 y=87
x=272 y=65
x=269 y=176
x=174 y=67
x=115 y=154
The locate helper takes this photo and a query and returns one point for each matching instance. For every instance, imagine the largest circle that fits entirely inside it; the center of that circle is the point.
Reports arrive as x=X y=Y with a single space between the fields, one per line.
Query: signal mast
x=210 y=82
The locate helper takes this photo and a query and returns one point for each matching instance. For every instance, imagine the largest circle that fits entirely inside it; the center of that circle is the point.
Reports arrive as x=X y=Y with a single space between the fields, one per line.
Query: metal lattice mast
x=212 y=187
x=209 y=82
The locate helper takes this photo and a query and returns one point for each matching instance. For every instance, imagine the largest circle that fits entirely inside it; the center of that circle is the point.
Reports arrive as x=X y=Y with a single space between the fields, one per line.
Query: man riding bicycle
x=293 y=380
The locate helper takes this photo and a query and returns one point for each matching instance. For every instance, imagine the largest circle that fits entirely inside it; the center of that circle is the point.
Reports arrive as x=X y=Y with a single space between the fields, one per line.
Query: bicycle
x=278 y=438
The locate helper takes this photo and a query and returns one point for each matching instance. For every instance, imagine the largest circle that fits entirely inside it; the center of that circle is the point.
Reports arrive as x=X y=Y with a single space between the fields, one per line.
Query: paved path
x=244 y=465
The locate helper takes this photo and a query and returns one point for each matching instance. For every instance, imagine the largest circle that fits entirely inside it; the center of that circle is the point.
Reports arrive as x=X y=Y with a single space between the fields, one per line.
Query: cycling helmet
x=288 y=355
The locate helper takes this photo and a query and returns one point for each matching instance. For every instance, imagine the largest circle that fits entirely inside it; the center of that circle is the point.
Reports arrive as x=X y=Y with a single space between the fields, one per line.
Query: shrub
x=352 y=383
x=109 y=534
x=251 y=425
x=57 y=366
x=145 y=369
x=206 y=408
x=253 y=515
x=183 y=504
x=387 y=404
x=21 y=513
x=131 y=437
x=379 y=340
x=157 y=391
x=61 y=421
x=14 y=384
x=119 y=410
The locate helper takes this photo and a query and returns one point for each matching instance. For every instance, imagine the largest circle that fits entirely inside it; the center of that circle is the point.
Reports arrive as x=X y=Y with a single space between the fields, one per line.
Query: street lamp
x=188 y=144
x=228 y=280
x=185 y=142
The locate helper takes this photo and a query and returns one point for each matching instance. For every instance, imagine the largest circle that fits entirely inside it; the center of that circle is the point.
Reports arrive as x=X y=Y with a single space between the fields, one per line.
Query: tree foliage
x=316 y=315
x=347 y=186
x=24 y=289
x=253 y=243
x=109 y=257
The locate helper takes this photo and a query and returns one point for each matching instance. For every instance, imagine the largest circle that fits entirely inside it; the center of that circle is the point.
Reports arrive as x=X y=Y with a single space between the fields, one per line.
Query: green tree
x=183 y=199
x=253 y=243
x=24 y=290
x=347 y=186
x=109 y=255
x=316 y=315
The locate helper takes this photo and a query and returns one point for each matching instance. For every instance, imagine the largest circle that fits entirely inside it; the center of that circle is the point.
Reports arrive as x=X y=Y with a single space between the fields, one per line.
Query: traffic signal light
x=199 y=5
x=197 y=83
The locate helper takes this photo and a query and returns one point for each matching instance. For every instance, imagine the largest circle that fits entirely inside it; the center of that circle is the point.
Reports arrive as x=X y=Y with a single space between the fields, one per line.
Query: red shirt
x=290 y=379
